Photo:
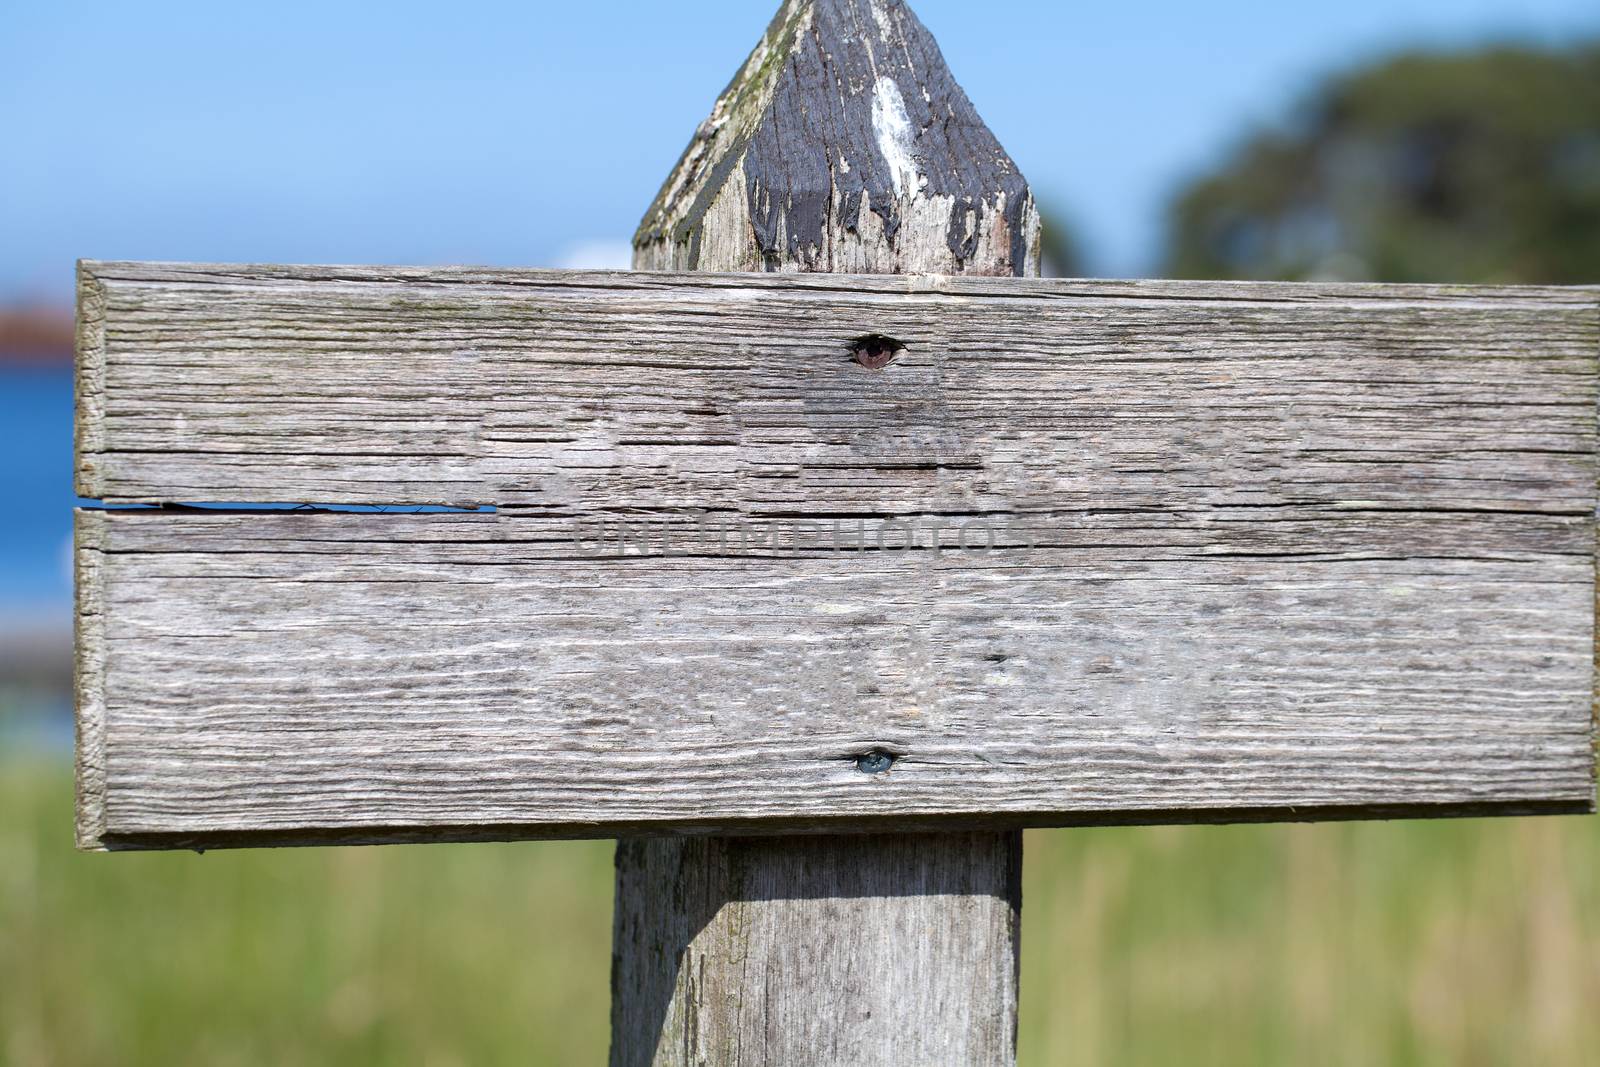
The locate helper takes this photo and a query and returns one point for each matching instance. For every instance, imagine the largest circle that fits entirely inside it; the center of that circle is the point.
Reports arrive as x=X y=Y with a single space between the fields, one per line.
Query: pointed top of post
x=843 y=144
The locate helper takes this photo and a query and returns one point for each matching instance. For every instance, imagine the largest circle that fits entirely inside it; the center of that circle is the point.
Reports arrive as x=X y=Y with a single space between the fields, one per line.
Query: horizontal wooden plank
x=1086 y=552
x=306 y=677
x=592 y=392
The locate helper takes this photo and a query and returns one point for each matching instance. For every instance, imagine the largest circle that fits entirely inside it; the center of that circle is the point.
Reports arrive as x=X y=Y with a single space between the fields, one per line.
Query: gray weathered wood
x=670 y=393
x=1261 y=549
x=315 y=677
x=843 y=145
x=815 y=950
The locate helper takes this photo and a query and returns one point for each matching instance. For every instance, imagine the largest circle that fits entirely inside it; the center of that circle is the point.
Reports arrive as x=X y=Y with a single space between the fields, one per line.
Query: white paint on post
x=896 y=138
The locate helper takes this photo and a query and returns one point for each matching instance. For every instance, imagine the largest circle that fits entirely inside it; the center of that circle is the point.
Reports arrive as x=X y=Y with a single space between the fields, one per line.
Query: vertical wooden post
x=843 y=145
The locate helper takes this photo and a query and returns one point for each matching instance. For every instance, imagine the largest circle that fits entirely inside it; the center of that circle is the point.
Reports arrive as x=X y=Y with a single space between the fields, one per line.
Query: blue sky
x=536 y=134
x=503 y=133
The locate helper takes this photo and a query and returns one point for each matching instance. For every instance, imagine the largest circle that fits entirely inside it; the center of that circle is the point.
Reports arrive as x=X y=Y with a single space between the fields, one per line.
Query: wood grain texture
x=815 y=950
x=315 y=676
x=593 y=392
x=1256 y=548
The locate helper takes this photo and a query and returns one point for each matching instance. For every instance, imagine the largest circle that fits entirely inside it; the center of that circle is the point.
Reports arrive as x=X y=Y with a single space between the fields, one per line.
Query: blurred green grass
x=1455 y=943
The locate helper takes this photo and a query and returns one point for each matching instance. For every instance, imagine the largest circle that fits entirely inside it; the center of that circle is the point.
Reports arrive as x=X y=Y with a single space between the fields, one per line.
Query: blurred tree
x=1058 y=247
x=1472 y=167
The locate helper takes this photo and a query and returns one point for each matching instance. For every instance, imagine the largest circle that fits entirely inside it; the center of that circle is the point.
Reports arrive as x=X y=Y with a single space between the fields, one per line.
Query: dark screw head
x=875 y=762
x=875 y=351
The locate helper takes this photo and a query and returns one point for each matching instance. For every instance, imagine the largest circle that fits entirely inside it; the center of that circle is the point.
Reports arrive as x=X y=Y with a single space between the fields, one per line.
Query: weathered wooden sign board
x=1082 y=551
x=784 y=553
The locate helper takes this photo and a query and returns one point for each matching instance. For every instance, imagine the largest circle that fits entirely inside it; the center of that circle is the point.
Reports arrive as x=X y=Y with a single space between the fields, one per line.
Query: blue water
x=36 y=479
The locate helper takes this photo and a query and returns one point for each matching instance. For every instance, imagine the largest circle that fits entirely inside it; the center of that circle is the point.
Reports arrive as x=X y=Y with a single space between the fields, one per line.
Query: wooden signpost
x=816 y=585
